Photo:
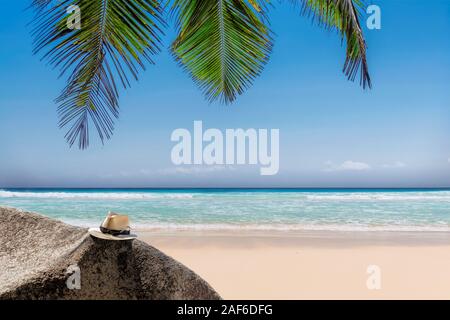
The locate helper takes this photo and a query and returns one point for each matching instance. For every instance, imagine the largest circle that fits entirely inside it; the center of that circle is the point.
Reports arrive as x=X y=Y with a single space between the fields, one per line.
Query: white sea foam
x=146 y=226
x=288 y=227
x=369 y=196
x=94 y=195
x=436 y=196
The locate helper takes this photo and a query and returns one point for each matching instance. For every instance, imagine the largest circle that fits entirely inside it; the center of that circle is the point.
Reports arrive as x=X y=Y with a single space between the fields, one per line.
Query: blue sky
x=332 y=133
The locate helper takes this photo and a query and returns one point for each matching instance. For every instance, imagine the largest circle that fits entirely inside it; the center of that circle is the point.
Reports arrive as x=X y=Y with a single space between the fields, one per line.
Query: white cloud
x=125 y=173
x=397 y=164
x=348 y=165
x=145 y=172
x=194 y=169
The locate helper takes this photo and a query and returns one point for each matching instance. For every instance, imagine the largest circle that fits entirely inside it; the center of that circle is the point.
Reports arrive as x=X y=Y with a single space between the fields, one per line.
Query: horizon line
x=234 y=188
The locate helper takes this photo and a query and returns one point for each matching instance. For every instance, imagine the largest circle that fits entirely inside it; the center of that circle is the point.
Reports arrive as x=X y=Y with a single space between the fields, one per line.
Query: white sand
x=317 y=265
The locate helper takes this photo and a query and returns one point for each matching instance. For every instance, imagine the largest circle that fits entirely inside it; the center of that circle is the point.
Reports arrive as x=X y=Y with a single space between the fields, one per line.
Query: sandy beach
x=313 y=265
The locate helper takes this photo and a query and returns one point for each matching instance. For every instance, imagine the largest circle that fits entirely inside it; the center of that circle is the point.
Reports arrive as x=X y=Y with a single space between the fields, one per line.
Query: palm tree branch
x=115 y=38
x=344 y=16
x=222 y=44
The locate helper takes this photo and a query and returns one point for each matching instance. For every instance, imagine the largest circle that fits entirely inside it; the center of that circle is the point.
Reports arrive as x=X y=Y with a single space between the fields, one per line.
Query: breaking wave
x=94 y=195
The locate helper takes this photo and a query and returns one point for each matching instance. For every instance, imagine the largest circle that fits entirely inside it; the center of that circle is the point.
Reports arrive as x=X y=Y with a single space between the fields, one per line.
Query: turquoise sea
x=253 y=209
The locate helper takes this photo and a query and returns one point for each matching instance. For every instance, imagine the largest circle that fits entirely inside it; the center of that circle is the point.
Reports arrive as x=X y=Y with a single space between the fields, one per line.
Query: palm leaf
x=343 y=15
x=115 y=38
x=223 y=44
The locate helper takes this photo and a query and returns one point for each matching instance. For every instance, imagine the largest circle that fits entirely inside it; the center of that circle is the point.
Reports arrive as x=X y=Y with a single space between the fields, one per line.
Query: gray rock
x=36 y=253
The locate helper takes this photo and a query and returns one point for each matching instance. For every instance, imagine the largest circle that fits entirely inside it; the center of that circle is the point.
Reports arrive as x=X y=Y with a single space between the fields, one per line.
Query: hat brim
x=95 y=232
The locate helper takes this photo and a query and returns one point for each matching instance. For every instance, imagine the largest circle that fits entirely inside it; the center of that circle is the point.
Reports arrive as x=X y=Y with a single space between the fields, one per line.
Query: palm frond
x=40 y=4
x=223 y=44
x=344 y=16
x=115 y=38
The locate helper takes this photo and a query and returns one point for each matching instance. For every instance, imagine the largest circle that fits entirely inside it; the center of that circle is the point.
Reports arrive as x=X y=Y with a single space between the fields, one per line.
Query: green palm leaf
x=115 y=38
x=343 y=15
x=223 y=44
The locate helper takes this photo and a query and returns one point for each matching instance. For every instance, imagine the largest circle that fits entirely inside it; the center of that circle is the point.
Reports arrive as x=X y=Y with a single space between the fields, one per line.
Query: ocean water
x=252 y=209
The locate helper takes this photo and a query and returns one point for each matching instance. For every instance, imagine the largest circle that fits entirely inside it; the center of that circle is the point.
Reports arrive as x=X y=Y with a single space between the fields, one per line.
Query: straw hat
x=114 y=227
